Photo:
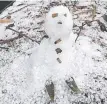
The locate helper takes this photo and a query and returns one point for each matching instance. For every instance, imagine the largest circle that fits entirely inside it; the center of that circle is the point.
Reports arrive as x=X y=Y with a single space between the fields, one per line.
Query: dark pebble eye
x=65 y=15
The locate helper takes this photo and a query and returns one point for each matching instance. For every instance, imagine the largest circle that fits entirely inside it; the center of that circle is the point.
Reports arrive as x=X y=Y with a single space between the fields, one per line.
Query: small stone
x=4 y=91
x=11 y=25
x=58 y=50
x=105 y=17
x=58 y=59
x=89 y=23
x=57 y=41
x=102 y=26
x=55 y=15
x=104 y=78
x=86 y=95
x=102 y=101
x=65 y=15
x=8 y=17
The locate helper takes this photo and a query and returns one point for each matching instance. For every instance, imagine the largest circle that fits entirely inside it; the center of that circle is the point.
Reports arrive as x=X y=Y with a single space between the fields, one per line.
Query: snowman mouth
x=59 y=22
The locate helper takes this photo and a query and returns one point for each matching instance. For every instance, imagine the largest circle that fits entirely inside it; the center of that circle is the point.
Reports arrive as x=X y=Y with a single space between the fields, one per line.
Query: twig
x=18 y=10
x=21 y=34
x=81 y=27
x=17 y=37
x=10 y=40
x=4 y=48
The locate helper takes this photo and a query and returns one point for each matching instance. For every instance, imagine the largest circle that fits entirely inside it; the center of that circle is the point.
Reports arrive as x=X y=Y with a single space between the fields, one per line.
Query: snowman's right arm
x=37 y=56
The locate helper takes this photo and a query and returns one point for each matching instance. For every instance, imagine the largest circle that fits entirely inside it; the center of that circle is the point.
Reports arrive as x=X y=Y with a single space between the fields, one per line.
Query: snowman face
x=60 y=20
x=58 y=23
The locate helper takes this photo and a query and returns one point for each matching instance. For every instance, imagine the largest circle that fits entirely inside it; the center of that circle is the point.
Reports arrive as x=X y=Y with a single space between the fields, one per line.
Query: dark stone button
x=58 y=59
x=58 y=50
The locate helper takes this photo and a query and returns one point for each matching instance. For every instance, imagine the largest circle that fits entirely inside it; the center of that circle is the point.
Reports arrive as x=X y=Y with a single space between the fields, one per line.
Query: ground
x=28 y=17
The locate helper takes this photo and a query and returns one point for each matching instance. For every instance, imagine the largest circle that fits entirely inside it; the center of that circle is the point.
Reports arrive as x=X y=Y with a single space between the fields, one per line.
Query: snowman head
x=58 y=22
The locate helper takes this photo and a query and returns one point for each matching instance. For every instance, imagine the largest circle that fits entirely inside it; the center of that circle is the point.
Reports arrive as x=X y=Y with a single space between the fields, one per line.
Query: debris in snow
x=105 y=17
x=102 y=26
x=72 y=84
x=57 y=41
x=58 y=50
x=50 y=90
x=17 y=82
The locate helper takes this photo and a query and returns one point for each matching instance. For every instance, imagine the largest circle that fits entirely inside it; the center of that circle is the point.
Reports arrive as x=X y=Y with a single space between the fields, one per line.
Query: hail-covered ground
x=21 y=83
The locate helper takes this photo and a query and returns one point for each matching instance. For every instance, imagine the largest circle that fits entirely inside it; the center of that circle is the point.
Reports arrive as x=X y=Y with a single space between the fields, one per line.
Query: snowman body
x=47 y=57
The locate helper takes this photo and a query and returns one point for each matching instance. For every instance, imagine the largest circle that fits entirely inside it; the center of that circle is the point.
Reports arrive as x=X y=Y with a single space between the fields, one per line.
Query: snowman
x=54 y=55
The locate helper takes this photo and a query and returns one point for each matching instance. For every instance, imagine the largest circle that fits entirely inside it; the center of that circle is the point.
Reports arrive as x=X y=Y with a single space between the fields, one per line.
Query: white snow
x=23 y=77
x=42 y=65
x=2 y=31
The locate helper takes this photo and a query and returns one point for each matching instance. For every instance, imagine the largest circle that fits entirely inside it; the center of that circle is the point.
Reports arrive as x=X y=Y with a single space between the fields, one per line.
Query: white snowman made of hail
x=54 y=55
x=58 y=26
